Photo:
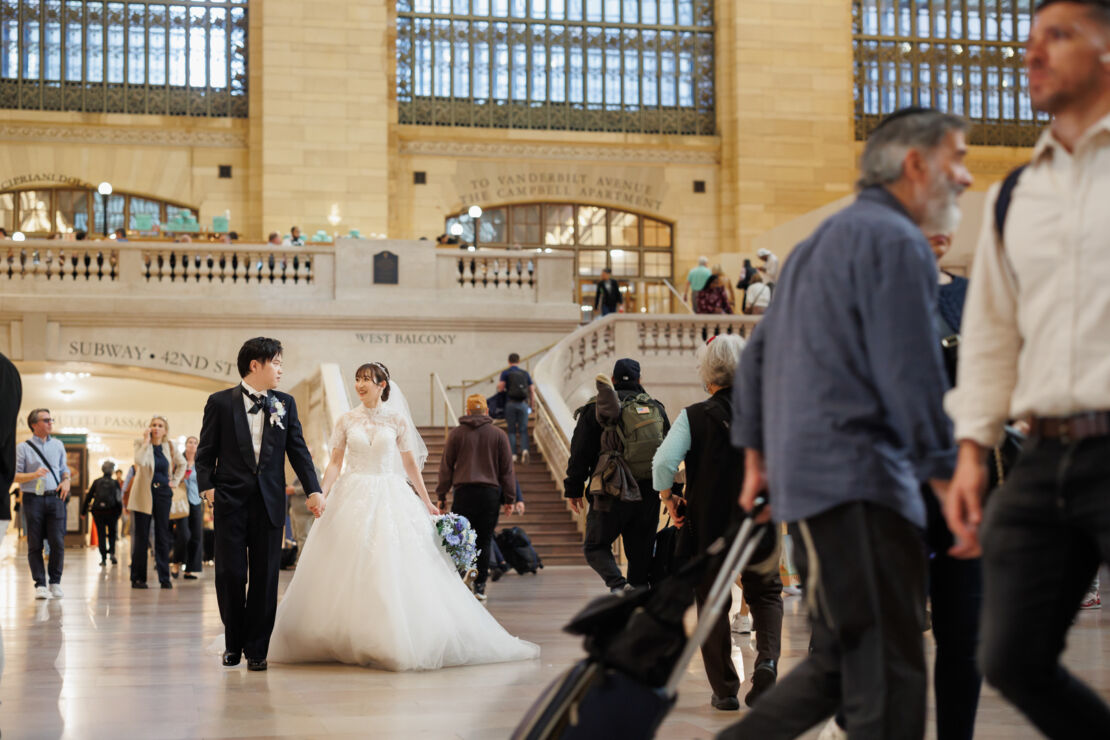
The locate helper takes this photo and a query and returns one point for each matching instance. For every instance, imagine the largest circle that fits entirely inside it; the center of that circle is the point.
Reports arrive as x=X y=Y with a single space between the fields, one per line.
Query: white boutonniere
x=277 y=412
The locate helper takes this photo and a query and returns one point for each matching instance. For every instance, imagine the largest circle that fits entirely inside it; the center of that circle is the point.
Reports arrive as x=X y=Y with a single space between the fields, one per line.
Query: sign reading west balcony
x=385 y=268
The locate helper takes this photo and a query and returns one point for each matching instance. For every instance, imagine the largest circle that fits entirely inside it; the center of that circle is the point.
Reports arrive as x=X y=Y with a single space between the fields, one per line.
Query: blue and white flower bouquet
x=458 y=540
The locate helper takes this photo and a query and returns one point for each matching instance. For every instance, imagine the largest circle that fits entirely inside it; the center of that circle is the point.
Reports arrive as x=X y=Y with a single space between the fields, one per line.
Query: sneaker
x=56 y=590
x=742 y=624
x=725 y=703
x=516 y=458
x=832 y=731
x=480 y=595
x=114 y=561
x=41 y=592
x=524 y=457
x=1091 y=601
x=792 y=590
x=621 y=589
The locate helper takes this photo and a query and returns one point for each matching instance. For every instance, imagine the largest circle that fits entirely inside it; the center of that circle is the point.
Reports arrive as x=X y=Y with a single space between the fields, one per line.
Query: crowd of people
x=873 y=408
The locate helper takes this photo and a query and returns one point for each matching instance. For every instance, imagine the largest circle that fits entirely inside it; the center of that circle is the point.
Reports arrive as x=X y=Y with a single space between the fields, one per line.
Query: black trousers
x=248 y=551
x=481 y=505
x=636 y=523
x=188 y=539
x=763 y=594
x=140 y=538
x=1044 y=534
x=864 y=575
x=107 y=529
x=956 y=593
x=44 y=518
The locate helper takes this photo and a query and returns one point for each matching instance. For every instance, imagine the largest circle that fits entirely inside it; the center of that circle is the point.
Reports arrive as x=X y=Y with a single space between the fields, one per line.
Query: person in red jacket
x=478 y=462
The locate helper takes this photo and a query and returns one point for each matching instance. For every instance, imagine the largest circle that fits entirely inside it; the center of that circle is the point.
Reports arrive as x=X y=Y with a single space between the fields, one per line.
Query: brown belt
x=1071 y=428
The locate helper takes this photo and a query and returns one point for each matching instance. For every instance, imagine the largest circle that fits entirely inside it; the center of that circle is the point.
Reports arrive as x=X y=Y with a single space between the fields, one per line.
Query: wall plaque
x=385 y=268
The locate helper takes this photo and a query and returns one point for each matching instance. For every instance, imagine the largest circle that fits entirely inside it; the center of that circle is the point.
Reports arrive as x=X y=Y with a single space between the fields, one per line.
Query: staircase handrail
x=679 y=296
x=465 y=385
x=450 y=418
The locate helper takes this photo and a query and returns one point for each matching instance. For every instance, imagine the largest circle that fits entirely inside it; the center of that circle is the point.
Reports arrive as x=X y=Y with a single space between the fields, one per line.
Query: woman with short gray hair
x=714 y=474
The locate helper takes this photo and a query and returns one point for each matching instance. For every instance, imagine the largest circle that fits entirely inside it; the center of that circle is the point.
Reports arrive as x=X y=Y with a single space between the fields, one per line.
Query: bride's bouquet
x=459 y=541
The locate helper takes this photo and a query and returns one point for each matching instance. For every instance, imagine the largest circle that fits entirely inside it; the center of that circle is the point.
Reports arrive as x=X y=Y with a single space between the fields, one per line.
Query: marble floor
x=109 y=662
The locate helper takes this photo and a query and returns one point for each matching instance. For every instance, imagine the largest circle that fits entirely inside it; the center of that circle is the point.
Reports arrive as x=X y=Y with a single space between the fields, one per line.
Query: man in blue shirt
x=43 y=478
x=838 y=404
x=520 y=400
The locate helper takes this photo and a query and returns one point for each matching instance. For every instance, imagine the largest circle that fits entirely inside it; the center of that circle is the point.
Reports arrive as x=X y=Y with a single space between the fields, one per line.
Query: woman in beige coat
x=159 y=468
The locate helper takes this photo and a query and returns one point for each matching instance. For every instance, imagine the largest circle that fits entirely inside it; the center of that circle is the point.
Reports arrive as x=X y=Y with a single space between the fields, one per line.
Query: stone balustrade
x=341 y=271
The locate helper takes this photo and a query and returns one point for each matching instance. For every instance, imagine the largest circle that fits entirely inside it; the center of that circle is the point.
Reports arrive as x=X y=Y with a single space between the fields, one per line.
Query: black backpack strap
x=57 y=478
x=1005 y=195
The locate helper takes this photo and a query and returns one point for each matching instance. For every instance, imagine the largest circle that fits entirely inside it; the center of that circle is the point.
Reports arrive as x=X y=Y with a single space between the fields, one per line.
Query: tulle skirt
x=373 y=587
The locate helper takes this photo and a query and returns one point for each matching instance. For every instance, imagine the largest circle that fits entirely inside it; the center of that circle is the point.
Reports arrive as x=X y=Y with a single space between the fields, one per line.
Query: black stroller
x=637 y=651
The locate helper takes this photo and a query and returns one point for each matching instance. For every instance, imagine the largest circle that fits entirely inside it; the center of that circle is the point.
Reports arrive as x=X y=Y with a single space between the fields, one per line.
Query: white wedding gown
x=373 y=585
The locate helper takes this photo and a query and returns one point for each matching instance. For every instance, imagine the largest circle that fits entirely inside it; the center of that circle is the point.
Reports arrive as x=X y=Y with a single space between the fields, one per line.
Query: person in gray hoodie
x=478 y=463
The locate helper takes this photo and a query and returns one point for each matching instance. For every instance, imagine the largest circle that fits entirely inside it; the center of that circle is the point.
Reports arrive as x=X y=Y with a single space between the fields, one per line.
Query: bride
x=373 y=586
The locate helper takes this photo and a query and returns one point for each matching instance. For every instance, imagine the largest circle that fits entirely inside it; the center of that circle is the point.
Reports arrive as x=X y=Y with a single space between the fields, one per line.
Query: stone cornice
x=317 y=322
x=124 y=135
x=508 y=150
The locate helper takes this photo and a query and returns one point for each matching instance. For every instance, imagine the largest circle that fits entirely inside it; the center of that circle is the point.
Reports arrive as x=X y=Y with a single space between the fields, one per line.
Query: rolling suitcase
x=638 y=652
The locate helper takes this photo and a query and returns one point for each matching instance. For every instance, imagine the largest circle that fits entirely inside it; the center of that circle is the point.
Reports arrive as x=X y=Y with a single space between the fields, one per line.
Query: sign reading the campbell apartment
x=638 y=188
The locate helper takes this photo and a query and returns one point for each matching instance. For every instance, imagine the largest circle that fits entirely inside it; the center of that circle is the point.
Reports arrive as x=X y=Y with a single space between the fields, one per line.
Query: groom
x=246 y=433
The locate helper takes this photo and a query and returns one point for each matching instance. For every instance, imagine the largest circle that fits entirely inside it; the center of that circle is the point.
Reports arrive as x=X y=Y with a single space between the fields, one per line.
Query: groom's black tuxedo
x=225 y=456
x=249 y=512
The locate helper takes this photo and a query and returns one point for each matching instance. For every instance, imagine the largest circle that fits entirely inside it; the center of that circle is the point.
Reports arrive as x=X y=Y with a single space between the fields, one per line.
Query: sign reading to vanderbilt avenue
x=638 y=188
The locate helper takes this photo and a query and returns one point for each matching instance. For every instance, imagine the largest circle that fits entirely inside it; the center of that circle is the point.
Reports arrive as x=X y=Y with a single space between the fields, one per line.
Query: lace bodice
x=374 y=439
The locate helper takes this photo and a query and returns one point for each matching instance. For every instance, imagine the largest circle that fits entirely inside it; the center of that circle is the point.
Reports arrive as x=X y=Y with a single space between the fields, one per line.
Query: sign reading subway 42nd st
x=121 y=353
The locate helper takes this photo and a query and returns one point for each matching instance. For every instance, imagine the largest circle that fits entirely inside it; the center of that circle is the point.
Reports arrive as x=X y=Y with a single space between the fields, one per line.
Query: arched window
x=961 y=56
x=638 y=249
x=584 y=65
x=170 y=58
x=42 y=211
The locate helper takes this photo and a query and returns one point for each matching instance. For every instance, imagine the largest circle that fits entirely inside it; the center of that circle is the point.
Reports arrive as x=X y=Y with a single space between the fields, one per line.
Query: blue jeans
x=45 y=519
x=516 y=419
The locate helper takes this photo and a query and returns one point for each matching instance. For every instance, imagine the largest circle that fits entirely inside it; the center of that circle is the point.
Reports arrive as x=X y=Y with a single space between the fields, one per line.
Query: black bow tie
x=259 y=400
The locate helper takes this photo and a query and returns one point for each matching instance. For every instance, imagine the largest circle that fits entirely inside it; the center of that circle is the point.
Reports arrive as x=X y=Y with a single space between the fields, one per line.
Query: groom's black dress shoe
x=256 y=664
x=231 y=659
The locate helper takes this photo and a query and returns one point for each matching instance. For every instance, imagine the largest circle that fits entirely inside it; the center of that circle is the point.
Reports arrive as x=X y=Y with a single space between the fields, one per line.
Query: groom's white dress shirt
x=254 y=421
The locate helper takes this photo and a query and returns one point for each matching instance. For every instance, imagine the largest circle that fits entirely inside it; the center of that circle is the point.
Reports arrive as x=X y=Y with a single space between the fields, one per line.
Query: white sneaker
x=742 y=624
x=792 y=590
x=832 y=731
x=41 y=592
x=516 y=458
x=524 y=457
x=56 y=590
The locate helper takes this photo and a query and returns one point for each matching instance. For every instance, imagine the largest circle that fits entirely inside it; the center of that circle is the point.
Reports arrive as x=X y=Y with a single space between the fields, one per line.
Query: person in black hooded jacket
x=635 y=522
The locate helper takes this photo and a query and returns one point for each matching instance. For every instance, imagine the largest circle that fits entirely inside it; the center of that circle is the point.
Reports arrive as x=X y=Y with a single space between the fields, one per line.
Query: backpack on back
x=516 y=384
x=105 y=495
x=641 y=428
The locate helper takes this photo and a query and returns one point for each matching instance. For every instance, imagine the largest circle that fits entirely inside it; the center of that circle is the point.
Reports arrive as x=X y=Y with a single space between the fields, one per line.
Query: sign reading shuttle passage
x=636 y=188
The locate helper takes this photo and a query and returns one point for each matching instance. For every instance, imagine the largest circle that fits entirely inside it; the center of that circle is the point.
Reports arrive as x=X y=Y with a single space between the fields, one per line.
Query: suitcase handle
x=739 y=554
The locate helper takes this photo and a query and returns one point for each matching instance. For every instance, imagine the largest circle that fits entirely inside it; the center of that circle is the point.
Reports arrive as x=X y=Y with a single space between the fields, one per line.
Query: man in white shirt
x=1036 y=345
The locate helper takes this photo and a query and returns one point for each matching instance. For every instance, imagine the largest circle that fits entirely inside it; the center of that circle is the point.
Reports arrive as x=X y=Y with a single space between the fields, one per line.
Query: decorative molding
x=501 y=150
x=122 y=135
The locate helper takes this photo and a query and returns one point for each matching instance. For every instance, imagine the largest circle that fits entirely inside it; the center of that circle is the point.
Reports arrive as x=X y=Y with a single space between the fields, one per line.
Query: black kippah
x=910 y=110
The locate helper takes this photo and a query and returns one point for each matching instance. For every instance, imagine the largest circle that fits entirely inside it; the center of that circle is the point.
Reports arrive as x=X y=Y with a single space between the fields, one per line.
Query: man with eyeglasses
x=43 y=478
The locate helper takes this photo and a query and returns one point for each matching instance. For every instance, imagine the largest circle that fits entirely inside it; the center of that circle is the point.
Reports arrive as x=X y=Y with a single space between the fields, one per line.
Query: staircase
x=546 y=519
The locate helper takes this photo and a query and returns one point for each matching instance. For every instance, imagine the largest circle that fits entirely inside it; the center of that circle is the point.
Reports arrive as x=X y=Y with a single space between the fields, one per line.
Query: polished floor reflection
x=109 y=662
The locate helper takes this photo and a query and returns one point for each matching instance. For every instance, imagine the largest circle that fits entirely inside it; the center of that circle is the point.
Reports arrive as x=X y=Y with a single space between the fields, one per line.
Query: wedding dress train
x=373 y=586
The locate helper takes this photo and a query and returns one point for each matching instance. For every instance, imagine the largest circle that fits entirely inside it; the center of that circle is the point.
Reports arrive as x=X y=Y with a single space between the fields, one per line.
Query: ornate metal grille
x=961 y=56
x=581 y=65
x=181 y=59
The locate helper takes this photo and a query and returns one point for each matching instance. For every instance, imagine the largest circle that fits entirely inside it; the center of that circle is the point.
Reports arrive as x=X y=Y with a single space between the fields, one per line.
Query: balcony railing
x=314 y=271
